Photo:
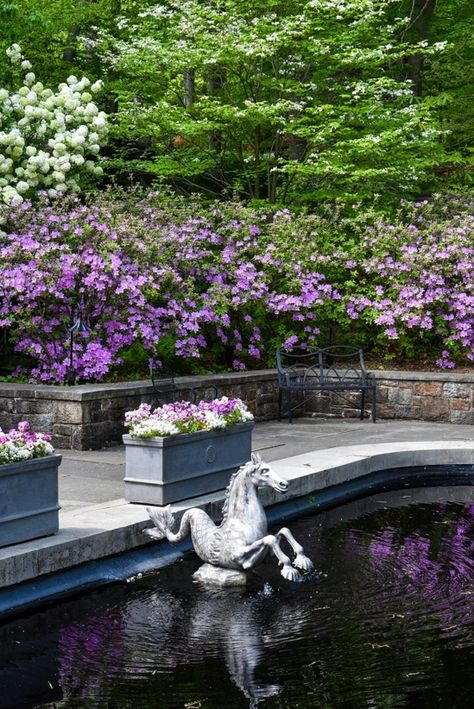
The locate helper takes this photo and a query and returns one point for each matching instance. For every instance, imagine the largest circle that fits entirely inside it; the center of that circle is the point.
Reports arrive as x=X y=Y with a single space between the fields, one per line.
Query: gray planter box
x=29 y=499
x=163 y=470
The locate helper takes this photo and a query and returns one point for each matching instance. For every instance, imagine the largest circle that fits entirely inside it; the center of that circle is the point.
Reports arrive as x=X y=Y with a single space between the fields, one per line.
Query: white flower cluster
x=214 y=421
x=154 y=427
x=47 y=139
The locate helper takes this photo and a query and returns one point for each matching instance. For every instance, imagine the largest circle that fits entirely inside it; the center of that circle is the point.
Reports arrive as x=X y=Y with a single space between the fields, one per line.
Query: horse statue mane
x=241 y=540
x=244 y=469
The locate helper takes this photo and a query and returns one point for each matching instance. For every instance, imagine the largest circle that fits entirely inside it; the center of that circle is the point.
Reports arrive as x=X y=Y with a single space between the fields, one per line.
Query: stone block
x=406 y=412
x=33 y=406
x=61 y=429
x=68 y=412
x=269 y=411
x=79 y=438
x=387 y=383
x=428 y=388
x=458 y=391
x=350 y=413
x=7 y=405
x=385 y=411
x=400 y=396
x=95 y=436
x=321 y=404
x=61 y=441
x=42 y=423
x=466 y=417
x=8 y=421
x=460 y=404
x=435 y=409
x=100 y=415
x=265 y=399
x=382 y=393
x=268 y=387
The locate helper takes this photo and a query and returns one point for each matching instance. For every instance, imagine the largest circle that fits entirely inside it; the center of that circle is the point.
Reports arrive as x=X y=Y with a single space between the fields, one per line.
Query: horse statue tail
x=163 y=520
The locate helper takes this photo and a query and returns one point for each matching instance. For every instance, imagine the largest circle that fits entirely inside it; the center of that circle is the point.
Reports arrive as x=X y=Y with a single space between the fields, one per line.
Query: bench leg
x=362 y=405
x=280 y=397
x=374 y=405
x=290 y=404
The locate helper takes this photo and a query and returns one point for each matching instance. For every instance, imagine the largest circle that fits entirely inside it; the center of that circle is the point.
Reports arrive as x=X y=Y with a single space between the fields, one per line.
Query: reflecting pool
x=387 y=620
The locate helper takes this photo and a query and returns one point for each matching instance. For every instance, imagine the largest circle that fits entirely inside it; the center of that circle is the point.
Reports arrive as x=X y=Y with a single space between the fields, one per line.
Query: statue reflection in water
x=162 y=633
x=216 y=623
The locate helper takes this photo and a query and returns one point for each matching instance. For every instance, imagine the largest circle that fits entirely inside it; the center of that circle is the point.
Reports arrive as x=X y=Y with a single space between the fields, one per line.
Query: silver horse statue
x=241 y=540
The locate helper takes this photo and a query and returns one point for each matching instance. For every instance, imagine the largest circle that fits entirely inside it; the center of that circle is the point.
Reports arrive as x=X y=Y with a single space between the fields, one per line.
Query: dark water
x=386 y=621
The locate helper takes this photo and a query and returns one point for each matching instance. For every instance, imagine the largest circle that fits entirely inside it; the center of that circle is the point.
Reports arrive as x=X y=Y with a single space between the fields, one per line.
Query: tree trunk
x=69 y=53
x=297 y=148
x=189 y=87
x=256 y=187
x=423 y=11
x=215 y=83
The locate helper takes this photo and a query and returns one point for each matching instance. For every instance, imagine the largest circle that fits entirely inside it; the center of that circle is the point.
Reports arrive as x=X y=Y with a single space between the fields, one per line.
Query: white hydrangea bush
x=47 y=139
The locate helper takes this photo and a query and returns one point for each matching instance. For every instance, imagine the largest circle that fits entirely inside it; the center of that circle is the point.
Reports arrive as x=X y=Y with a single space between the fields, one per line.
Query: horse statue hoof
x=289 y=573
x=302 y=562
x=218 y=576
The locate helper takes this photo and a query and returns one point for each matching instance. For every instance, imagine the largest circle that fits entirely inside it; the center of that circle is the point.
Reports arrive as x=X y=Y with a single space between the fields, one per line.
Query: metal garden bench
x=309 y=371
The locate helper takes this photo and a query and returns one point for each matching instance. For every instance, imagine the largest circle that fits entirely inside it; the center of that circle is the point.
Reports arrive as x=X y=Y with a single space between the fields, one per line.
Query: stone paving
x=96 y=477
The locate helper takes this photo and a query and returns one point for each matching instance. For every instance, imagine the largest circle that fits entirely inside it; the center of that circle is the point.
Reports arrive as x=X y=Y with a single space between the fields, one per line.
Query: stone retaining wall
x=90 y=416
x=424 y=396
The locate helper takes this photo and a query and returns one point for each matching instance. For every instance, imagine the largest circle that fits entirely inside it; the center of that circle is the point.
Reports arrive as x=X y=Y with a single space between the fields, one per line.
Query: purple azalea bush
x=184 y=417
x=21 y=443
x=193 y=284
x=418 y=281
x=223 y=285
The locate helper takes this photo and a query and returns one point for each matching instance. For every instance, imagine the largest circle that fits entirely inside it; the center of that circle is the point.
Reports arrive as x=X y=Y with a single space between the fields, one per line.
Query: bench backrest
x=324 y=366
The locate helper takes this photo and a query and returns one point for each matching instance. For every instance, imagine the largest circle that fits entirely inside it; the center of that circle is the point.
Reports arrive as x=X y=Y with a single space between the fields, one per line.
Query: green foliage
x=296 y=101
x=446 y=80
x=281 y=101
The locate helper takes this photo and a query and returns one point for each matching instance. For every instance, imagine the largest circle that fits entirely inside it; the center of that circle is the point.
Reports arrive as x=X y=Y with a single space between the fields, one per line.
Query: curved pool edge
x=318 y=480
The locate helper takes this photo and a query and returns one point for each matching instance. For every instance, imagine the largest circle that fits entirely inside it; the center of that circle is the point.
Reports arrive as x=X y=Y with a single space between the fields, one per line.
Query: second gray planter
x=29 y=499
x=163 y=470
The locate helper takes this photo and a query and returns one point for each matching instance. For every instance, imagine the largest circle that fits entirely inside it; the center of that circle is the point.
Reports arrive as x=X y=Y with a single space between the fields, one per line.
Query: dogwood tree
x=273 y=99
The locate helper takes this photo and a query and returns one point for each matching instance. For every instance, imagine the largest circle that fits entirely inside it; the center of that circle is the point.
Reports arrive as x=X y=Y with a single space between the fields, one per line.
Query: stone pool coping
x=81 y=555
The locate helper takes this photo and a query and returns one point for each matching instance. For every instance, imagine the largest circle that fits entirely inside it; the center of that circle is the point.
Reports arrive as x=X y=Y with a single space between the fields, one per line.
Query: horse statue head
x=263 y=475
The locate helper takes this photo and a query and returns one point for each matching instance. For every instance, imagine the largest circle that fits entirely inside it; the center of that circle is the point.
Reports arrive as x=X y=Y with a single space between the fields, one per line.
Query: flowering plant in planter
x=21 y=443
x=184 y=417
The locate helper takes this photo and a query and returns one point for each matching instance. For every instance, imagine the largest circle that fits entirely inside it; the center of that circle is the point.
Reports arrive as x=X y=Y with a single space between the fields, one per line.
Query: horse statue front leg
x=301 y=561
x=253 y=553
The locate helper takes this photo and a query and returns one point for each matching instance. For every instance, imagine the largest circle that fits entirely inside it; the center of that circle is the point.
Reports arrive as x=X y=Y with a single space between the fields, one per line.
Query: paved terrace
x=96 y=477
x=313 y=453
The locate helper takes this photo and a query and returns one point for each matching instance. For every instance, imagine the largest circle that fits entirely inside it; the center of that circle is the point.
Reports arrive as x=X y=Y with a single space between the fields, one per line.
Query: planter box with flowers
x=28 y=485
x=182 y=450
